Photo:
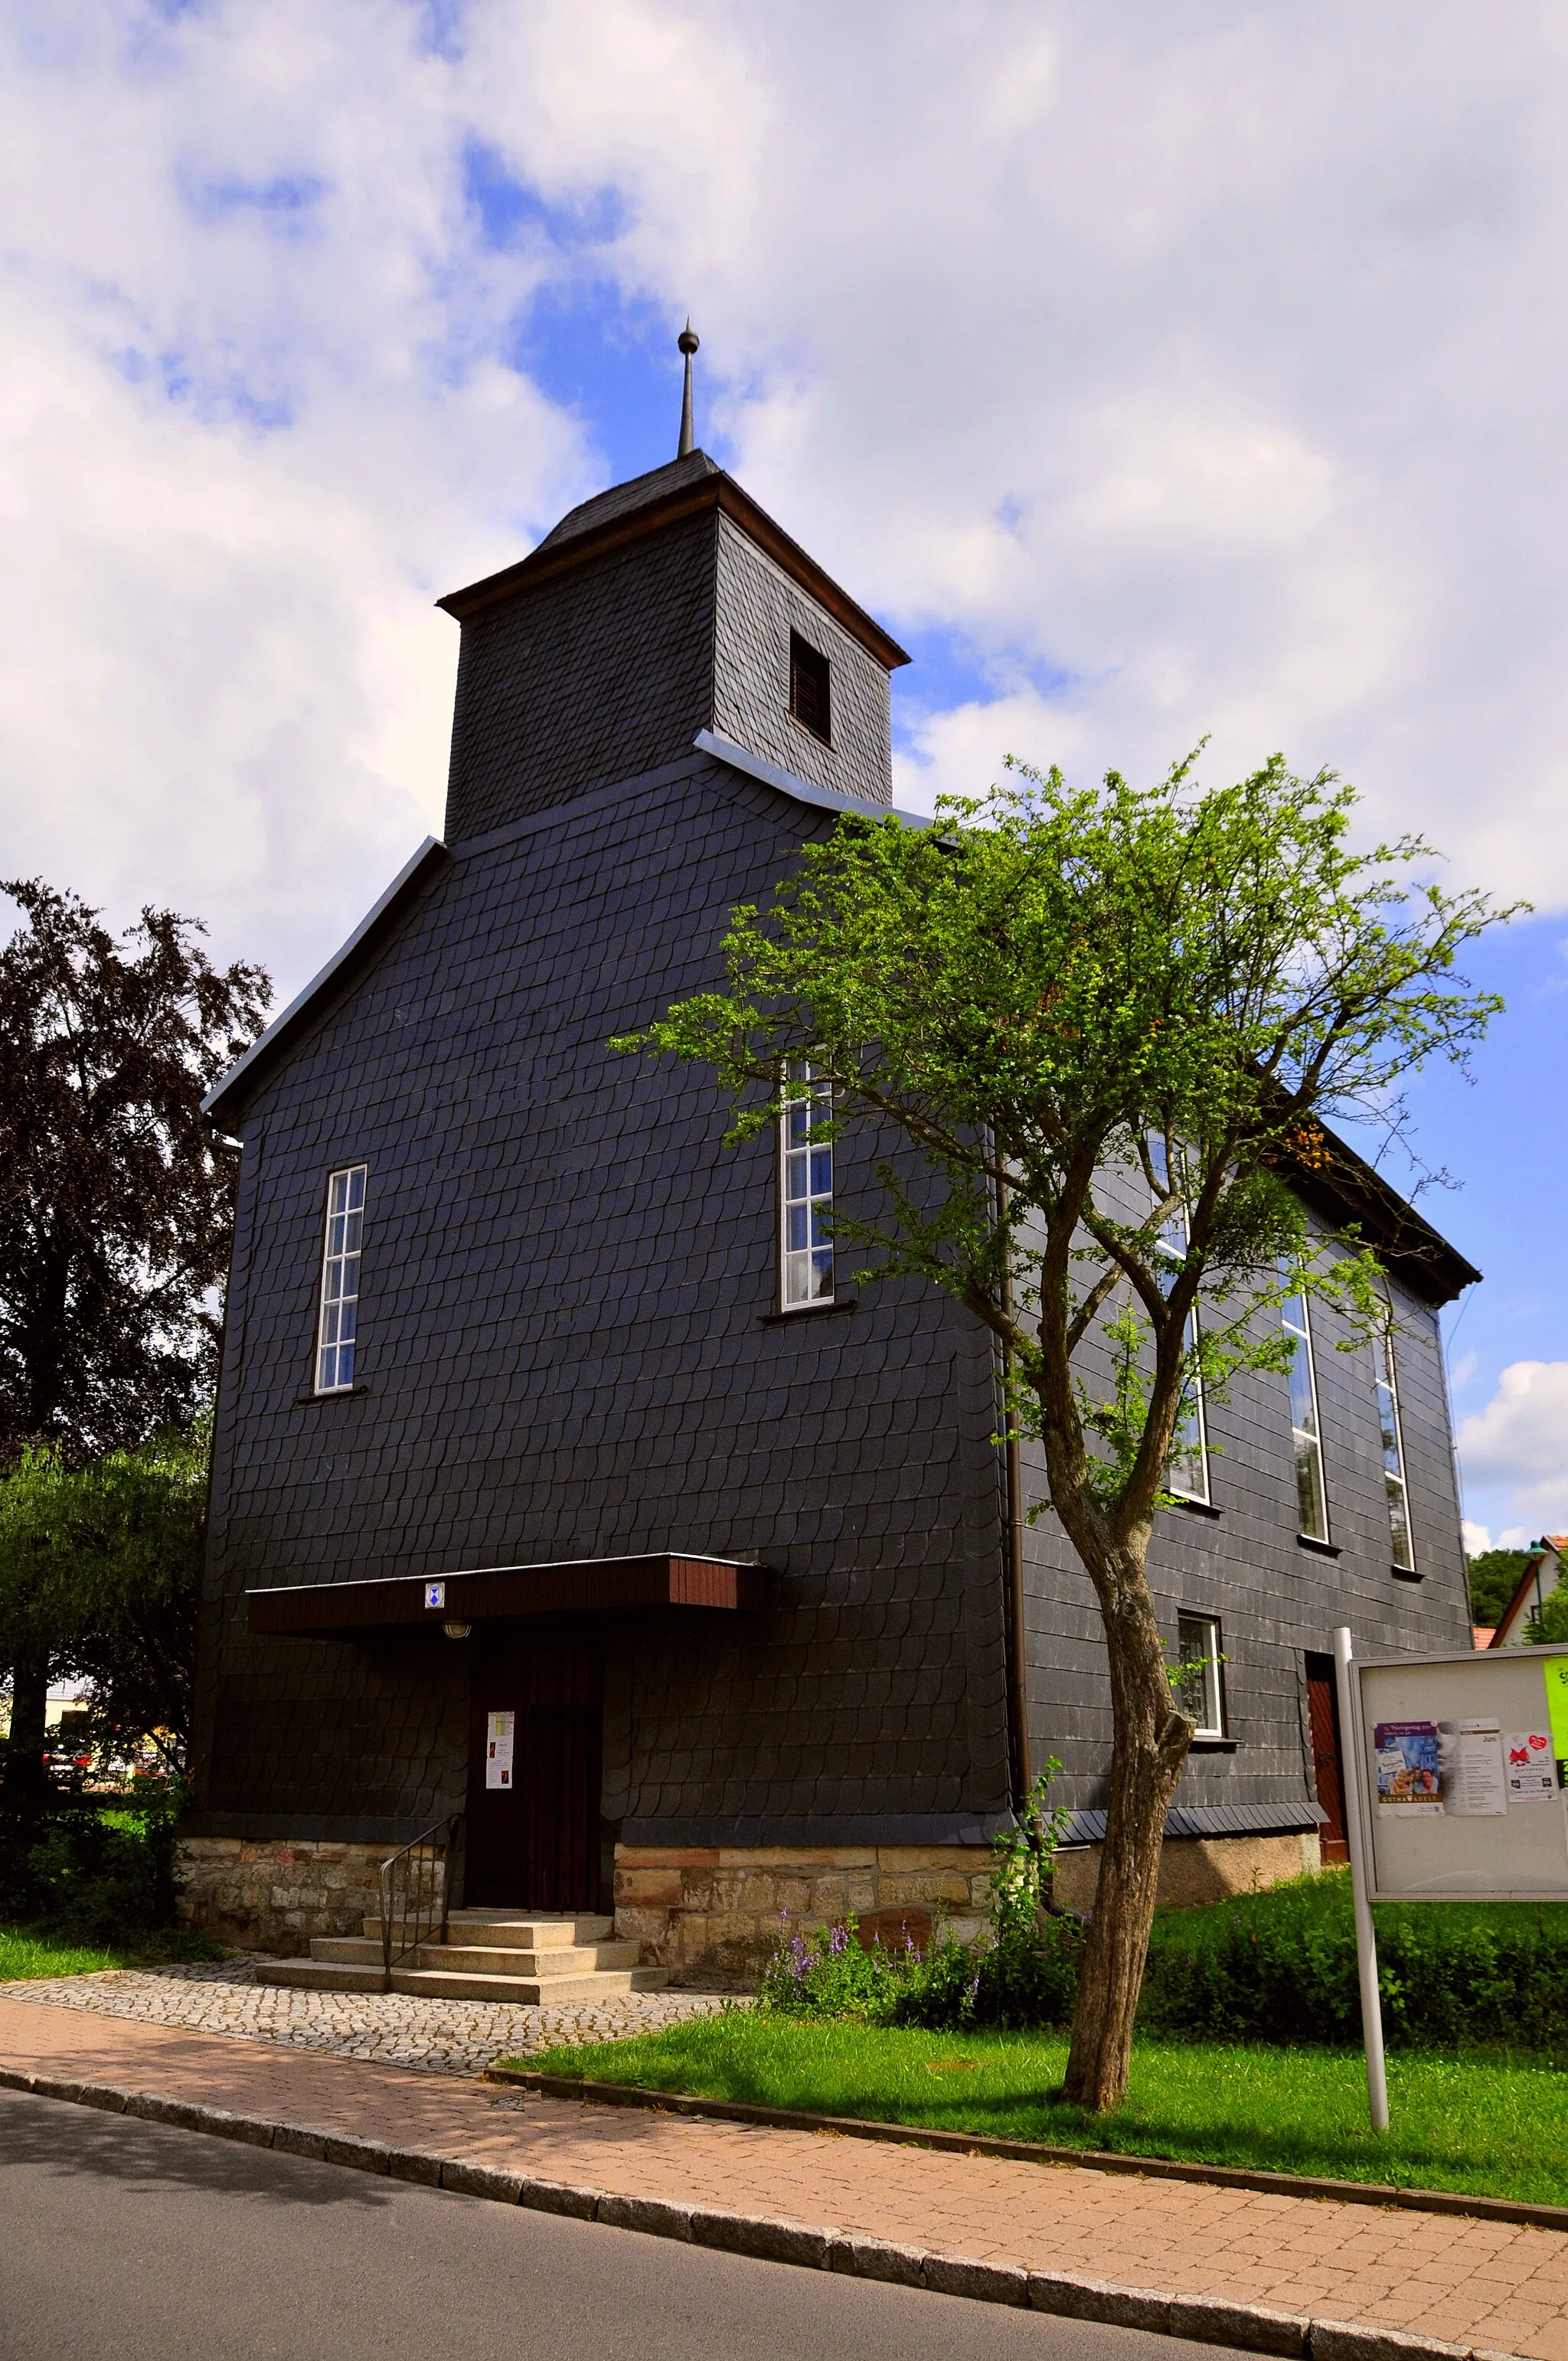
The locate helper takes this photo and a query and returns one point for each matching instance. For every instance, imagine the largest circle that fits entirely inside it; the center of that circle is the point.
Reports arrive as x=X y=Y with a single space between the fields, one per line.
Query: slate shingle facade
x=570 y=1345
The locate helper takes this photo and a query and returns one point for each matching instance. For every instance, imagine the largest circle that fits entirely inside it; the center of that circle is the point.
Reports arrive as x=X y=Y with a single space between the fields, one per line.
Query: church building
x=561 y=1480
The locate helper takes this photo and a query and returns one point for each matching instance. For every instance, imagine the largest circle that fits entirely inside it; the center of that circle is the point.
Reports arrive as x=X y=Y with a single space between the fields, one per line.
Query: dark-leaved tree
x=116 y=1199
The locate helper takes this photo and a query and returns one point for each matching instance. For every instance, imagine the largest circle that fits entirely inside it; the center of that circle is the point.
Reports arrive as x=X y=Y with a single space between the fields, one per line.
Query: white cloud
x=1477 y=1540
x=1516 y=1447
x=1199 y=367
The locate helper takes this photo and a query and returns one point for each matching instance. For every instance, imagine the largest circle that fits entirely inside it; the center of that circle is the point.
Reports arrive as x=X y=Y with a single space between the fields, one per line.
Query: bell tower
x=665 y=606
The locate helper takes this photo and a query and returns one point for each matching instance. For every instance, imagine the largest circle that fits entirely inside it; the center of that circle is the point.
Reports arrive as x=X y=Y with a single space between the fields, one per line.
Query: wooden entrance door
x=1322 y=1715
x=534 y=1843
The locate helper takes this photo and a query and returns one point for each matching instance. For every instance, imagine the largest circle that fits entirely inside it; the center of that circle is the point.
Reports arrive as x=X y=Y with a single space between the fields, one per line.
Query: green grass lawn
x=1489 y=2125
x=23 y=1954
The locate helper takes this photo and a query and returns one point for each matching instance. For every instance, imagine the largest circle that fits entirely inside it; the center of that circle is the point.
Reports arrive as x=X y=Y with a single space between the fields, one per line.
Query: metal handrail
x=427 y=1870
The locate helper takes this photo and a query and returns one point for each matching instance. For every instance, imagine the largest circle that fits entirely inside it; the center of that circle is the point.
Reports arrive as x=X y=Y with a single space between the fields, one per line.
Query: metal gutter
x=740 y=758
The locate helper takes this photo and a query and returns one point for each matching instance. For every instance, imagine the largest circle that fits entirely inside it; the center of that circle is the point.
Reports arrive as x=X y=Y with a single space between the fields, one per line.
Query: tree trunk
x=1149 y=1746
x=25 y=1790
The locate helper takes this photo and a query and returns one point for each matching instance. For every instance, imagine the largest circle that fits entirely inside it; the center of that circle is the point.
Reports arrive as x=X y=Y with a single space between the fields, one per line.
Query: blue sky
x=1151 y=373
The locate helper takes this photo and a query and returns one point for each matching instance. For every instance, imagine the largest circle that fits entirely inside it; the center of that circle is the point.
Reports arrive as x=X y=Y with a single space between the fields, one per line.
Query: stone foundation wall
x=709 y=1913
x=715 y=1913
x=274 y=1896
x=1195 y=1869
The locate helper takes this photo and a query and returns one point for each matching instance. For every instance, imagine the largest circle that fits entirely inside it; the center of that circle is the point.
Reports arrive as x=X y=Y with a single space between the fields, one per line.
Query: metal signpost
x=1456 y=1790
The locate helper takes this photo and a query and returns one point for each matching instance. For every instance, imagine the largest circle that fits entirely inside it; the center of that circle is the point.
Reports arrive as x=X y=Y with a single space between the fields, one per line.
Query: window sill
x=1406 y=1572
x=816 y=735
x=1195 y=1508
x=1213 y=1746
x=334 y=1393
x=809 y=1310
x=1319 y=1549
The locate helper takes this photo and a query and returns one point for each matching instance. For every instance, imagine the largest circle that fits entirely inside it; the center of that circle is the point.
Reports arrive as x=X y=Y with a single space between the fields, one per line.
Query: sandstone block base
x=275 y=1896
x=714 y=1914
x=1195 y=1869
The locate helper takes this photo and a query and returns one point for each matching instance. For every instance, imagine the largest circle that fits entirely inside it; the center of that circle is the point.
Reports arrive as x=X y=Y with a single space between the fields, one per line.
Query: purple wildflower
x=838 y=1940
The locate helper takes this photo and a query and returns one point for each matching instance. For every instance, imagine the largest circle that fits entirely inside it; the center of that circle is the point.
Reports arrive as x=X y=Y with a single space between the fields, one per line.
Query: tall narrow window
x=1312 y=1508
x=1201 y=1691
x=1388 y=1389
x=1187 y=1470
x=805 y=1191
x=810 y=694
x=340 y=1280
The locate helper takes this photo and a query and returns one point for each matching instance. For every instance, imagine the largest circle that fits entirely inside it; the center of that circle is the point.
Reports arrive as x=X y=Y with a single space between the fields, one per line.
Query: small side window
x=810 y=688
x=1387 y=1386
x=806 y=1191
x=1312 y=1497
x=1200 y=1690
x=1186 y=1472
x=339 y=1320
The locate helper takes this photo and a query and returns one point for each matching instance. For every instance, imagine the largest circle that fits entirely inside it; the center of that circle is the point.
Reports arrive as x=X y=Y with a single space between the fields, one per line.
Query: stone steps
x=536 y=1991
x=484 y=1958
x=524 y=1957
x=521 y=1930
x=321 y=1975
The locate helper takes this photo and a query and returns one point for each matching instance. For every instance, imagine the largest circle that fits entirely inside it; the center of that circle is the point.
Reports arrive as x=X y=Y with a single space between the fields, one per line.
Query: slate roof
x=647 y=504
x=349 y=961
x=624 y=499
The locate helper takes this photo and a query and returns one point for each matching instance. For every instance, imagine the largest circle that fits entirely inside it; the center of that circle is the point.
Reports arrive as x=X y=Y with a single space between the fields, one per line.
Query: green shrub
x=1280 y=1966
x=1026 y=1974
x=1276 y=1966
x=106 y=1876
x=829 y=1974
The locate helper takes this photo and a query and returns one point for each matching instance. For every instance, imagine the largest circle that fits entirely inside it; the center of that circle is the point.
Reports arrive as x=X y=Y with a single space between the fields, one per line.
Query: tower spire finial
x=686 y=343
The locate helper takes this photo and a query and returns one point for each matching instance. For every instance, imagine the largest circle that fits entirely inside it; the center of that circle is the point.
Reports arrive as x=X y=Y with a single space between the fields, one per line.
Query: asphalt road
x=125 y=2238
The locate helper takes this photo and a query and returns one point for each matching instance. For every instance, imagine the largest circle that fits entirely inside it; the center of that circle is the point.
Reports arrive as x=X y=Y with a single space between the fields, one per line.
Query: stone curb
x=1142 y=2168
x=1253 y=2328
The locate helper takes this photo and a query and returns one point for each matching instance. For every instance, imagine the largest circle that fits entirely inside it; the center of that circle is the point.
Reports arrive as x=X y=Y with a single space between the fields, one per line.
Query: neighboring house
x=1540 y=1577
x=537 y=1400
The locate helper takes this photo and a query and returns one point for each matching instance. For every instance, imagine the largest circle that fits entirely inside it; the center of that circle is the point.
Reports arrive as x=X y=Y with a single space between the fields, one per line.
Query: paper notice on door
x=1473 y=1773
x=1532 y=1767
x=500 y=1730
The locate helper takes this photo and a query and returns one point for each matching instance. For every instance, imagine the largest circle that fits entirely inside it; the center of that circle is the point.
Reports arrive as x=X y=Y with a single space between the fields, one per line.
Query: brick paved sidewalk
x=1477 y=2286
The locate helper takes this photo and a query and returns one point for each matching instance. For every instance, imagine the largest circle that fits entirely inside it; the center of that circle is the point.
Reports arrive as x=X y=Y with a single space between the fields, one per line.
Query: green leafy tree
x=116 y=1199
x=1495 y=1577
x=99 y=1572
x=1550 y=1620
x=1091 y=1033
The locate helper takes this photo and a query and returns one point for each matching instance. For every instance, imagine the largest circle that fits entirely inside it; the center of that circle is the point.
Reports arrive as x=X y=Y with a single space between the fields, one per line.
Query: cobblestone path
x=441 y=2036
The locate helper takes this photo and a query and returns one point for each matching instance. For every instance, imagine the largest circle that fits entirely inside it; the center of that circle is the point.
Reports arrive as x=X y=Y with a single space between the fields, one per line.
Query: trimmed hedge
x=1280 y=1966
x=1276 y=1966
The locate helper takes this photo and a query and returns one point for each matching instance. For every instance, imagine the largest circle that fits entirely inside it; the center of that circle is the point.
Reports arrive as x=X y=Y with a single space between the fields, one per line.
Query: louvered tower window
x=810 y=693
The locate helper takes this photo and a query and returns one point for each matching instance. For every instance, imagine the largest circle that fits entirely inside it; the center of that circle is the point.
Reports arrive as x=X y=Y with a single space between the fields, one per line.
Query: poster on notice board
x=1407 y=1781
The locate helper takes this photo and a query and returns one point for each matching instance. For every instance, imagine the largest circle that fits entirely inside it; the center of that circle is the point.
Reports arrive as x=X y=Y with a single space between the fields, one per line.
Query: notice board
x=1463 y=1775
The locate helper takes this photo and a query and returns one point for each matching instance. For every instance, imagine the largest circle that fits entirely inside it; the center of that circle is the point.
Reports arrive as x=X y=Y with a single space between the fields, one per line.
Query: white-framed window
x=1312 y=1498
x=1187 y=1470
x=1201 y=1689
x=340 y=1280
x=1387 y=1386
x=805 y=1191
